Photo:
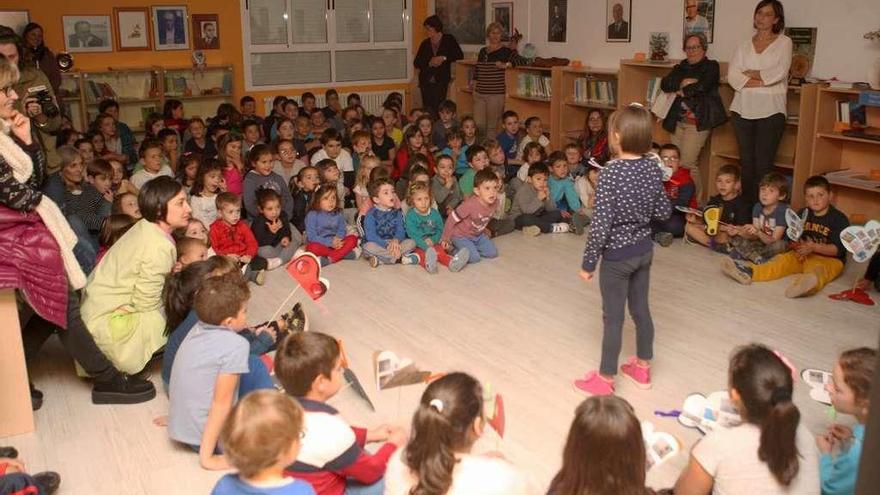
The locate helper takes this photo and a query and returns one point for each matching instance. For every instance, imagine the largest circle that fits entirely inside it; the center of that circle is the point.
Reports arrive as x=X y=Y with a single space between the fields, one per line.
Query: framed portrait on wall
x=618 y=19
x=132 y=28
x=556 y=20
x=206 y=31
x=464 y=19
x=699 y=17
x=15 y=19
x=502 y=13
x=87 y=33
x=170 y=27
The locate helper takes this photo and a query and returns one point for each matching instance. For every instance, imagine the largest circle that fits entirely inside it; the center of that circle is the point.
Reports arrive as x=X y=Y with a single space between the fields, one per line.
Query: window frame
x=331 y=46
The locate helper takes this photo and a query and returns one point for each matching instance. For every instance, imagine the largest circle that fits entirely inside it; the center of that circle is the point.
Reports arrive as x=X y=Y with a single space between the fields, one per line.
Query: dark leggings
x=873 y=271
x=758 y=141
x=621 y=282
x=674 y=225
x=544 y=220
x=433 y=95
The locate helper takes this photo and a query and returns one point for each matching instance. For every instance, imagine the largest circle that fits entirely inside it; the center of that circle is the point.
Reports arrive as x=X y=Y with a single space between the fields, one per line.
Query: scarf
x=22 y=168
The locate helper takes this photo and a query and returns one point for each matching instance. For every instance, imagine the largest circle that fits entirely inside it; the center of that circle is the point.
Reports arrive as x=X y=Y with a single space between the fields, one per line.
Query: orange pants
x=782 y=265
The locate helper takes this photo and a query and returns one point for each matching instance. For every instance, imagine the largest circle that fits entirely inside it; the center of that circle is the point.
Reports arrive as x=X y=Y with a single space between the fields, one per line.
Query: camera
x=44 y=99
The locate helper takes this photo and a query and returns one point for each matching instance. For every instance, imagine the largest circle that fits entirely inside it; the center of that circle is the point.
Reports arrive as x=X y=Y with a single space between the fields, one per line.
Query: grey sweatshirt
x=526 y=201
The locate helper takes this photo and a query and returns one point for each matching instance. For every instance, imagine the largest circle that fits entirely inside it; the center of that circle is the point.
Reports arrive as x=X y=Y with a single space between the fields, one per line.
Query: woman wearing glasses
x=697 y=107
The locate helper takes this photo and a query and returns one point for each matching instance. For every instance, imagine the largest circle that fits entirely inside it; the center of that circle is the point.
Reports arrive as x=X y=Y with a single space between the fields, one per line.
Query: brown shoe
x=802 y=285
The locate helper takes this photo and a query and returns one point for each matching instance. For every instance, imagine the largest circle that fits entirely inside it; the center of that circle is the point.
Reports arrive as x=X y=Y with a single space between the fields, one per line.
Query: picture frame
x=557 y=19
x=15 y=19
x=132 y=31
x=699 y=16
x=87 y=33
x=618 y=21
x=170 y=27
x=464 y=19
x=502 y=13
x=206 y=31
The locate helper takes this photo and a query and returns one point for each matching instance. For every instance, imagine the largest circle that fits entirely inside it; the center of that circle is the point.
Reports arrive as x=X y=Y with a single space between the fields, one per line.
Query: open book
x=659 y=445
x=706 y=413
x=393 y=371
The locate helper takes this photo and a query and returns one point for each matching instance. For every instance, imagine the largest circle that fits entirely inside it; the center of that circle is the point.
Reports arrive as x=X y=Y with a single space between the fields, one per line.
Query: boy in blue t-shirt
x=457 y=150
x=764 y=238
x=509 y=137
x=563 y=193
x=385 y=239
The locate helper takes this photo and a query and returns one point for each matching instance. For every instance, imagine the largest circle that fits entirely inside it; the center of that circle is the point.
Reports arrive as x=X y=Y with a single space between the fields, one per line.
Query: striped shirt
x=489 y=78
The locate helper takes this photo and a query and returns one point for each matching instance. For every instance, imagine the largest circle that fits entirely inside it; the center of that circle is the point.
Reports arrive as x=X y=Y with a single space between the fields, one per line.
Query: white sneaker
x=431 y=260
x=560 y=228
x=299 y=252
x=409 y=259
x=273 y=263
x=532 y=230
x=357 y=252
x=459 y=261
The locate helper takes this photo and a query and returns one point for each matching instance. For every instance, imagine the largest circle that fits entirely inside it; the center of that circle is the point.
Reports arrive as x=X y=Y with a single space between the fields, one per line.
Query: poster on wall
x=803 y=52
x=699 y=17
x=132 y=28
x=87 y=33
x=206 y=31
x=618 y=17
x=15 y=19
x=464 y=19
x=170 y=29
x=556 y=20
x=502 y=13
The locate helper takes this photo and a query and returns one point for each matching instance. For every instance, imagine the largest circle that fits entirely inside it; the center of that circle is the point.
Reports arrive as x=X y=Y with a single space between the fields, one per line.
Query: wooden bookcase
x=633 y=88
x=140 y=90
x=532 y=106
x=462 y=90
x=572 y=112
x=832 y=151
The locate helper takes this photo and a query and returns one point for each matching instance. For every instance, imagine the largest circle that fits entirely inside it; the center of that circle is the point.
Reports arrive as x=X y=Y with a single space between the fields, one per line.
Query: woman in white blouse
x=758 y=73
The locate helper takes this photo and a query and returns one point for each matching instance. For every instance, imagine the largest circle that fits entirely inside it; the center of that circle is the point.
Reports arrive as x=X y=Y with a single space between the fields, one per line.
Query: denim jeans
x=478 y=247
x=352 y=487
x=257 y=377
x=86 y=249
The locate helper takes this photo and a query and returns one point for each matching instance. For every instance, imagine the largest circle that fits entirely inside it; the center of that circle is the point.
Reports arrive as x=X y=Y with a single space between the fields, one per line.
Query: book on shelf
x=97 y=91
x=851 y=113
x=145 y=114
x=227 y=83
x=853 y=178
x=591 y=90
x=803 y=54
x=653 y=89
x=534 y=86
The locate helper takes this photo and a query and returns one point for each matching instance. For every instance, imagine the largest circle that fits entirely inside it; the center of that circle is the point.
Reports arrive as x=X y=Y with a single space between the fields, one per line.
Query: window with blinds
x=307 y=42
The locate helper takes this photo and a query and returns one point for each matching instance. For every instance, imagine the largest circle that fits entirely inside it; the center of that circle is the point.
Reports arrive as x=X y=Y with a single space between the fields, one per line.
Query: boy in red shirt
x=466 y=224
x=231 y=237
x=680 y=190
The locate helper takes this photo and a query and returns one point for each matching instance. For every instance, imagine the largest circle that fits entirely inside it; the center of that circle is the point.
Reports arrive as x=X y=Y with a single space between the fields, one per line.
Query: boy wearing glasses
x=680 y=190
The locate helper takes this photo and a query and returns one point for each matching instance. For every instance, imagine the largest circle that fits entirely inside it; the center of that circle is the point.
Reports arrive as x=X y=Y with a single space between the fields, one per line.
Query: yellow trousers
x=825 y=268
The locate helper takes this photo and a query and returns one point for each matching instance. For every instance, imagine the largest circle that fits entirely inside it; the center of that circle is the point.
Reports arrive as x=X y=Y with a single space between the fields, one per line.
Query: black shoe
x=9 y=452
x=36 y=397
x=48 y=481
x=123 y=389
x=296 y=319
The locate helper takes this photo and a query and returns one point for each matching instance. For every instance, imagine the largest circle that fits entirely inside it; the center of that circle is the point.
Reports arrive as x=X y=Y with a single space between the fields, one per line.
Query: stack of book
x=97 y=91
x=534 y=86
x=588 y=90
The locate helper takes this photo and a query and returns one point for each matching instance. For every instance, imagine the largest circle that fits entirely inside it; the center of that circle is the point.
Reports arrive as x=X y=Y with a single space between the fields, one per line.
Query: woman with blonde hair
x=489 y=84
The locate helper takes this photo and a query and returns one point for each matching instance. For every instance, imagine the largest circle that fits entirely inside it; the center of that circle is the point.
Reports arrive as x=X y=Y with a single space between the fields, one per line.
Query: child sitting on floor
x=287 y=164
x=532 y=153
x=736 y=211
x=819 y=255
x=203 y=195
x=478 y=160
x=466 y=224
x=533 y=210
x=841 y=446
x=534 y=134
x=151 y=158
x=302 y=190
x=262 y=177
x=444 y=186
x=455 y=149
x=190 y=250
x=330 y=175
x=325 y=229
x=445 y=124
x=424 y=225
x=681 y=192
x=384 y=230
x=563 y=193
x=260 y=438
x=332 y=456
x=271 y=228
x=232 y=237
x=765 y=237
x=331 y=142
x=872 y=274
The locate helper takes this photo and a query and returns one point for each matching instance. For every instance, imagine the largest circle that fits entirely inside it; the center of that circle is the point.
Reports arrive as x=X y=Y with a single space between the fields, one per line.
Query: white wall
x=841 y=51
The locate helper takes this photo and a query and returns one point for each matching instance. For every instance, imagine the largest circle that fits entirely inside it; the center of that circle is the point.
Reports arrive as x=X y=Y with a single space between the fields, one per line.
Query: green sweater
x=466 y=182
x=420 y=227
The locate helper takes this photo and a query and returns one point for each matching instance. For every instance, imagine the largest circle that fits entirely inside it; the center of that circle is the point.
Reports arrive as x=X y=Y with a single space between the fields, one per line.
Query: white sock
x=560 y=228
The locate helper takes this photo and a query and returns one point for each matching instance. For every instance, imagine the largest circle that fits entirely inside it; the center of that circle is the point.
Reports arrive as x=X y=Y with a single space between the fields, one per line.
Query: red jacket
x=680 y=178
x=401 y=162
x=233 y=239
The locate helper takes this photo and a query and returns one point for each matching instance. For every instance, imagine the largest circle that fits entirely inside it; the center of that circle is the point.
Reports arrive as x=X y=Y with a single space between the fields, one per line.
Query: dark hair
x=320 y=192
x=227 y=198
x=817 y=181
x=376 y=184
x=116 y=207
x=148 y=144
x=151 y=120
x=556 y=156
x=777 y=9
x=64 y=136
x=99 y=166
x=105 y=104
x=764 y=384
x=330 y=92
x=447 y=105
x=588 y=134
x=227 y=113
x=221 y=297
x=205 y=167
x=539 y=168
x=730 y=169
x=230 y=137
x=454 y=133
x=302 y=357
x=442 y=424
x=777 y=180
x=257 y=151
x=418 y=170
x=114 y=227
x=186 y=160
x=180 y=288
x=324 y=164
x=507 y=114
x=433 y=22
x=81 y=141
x=411 y=132
x=170 y=106
x=249 y=123
x=609 y=425
x=858 y=370
x=246 y=99
x=671 y=147
x=485 y=175
x=352 y=96
x=534 y=145
x=266 y=195
x=278 y=100
x=531 y=119
x=307 y=95
x=443 y=157
x=472 y=152
x=634 y=126
x=164 y=133
x=302 y=171
x=155 y=195
x=330 y=134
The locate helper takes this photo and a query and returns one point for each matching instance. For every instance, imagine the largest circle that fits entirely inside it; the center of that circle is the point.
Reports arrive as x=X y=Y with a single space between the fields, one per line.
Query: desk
x=16 y=415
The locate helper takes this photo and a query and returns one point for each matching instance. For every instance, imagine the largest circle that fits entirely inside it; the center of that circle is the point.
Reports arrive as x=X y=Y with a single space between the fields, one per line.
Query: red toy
x=306 y=270
x=856 y=295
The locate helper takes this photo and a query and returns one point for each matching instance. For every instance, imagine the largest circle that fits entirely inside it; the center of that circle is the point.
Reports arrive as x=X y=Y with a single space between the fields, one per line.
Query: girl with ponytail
x=770 y=452
x=438 y=460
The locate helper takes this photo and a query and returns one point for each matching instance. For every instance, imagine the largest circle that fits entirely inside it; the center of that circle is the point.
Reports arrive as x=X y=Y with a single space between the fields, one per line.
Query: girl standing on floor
x=325 y=228
x=629 y=195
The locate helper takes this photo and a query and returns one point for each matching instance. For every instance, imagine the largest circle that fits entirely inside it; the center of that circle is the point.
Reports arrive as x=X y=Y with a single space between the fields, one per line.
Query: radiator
x=371 y=100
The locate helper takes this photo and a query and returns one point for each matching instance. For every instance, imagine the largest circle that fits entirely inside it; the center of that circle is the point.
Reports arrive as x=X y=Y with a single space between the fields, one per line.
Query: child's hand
x=275 y=226
x=429 y=242
x=804 y=248
x=398 y=436
x=285 y=241
x=394 y=248
x=245 y=259
x=337 y=243
x=863 y=284
x=565 y=214
x=222 y=185
x=215 y=463
x=825 y=443
x=445 y=245
x=13 y=465
x=840 y=433
x=234 y=257
x=266 y=329
x=379 y=433
x=691 y=218
x=587 y=276
x=108 y=195
x=161 y=421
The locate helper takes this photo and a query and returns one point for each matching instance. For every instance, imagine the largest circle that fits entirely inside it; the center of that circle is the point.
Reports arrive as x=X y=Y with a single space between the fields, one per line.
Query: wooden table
x=16 y=414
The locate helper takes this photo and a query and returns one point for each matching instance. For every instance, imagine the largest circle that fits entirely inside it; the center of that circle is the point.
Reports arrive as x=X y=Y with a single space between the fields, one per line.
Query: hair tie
x=436 y=404
x=780 y=395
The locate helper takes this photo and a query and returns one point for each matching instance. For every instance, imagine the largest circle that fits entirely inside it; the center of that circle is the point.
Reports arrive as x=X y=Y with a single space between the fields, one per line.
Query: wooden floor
x=524 y=322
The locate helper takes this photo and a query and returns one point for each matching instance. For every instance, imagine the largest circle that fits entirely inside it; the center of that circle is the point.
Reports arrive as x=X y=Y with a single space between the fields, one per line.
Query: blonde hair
x=417 y=187
x=9 y=73
x=494 y=26
x=368 y=163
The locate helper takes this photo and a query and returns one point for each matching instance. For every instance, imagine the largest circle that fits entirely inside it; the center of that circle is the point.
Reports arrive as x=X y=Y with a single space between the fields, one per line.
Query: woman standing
x=491 y=87
x=434 y=59
x=40 y=54
x=122 y=303
x=758 y=72
x=697 y=107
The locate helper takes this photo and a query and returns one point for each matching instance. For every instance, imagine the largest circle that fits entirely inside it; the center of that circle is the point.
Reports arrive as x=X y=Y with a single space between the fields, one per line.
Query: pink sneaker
x=640 y=375
x=594 y=384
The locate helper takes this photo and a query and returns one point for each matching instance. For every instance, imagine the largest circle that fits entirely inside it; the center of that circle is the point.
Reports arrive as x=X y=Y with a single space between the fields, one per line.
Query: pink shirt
x=469 y=219
x=234 y=180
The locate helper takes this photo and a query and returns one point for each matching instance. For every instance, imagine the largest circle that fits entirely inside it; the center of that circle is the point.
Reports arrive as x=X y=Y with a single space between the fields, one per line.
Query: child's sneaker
x=640 y=375
x=737 y=270
x=594 y=384
x=410 y=259
x=802 y=285
x=357 y=252
x=296 y=319
x=431 y=260
x=561 y=228
x=459 y=261
x=372 y=260
x=299 y=252
x=578 y=222
x=532 y=230
x=325 y=261
x=273 y=263
x=258 y=277
x=664 y=238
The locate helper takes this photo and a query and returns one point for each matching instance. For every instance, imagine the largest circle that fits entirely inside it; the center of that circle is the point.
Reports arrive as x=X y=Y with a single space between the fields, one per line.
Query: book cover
x=803 y=52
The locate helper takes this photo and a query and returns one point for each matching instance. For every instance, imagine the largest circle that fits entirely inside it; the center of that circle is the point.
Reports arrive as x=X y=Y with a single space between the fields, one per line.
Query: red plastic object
x=858 y=296
x=306 y=270
x=497 y=421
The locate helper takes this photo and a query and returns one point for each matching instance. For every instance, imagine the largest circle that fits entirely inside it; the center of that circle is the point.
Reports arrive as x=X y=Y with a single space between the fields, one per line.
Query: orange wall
x=48 y=13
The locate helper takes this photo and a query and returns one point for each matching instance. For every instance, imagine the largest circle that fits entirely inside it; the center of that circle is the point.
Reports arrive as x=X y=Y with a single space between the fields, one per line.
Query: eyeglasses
x=693 y=48
x=670 y=159
x=7 y=90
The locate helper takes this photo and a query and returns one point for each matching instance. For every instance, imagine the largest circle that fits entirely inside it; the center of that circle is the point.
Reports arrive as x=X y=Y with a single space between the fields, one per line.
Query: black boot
x=9 y=452
x=36 y=397
x=48 y=481
x=123 y=389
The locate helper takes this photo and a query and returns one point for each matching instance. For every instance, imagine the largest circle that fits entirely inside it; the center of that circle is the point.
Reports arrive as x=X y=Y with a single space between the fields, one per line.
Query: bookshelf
x=462 y=90
x=833 y=152
x=633 y=83
x=533 y=92
x=581 y=89
x=141 y=90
